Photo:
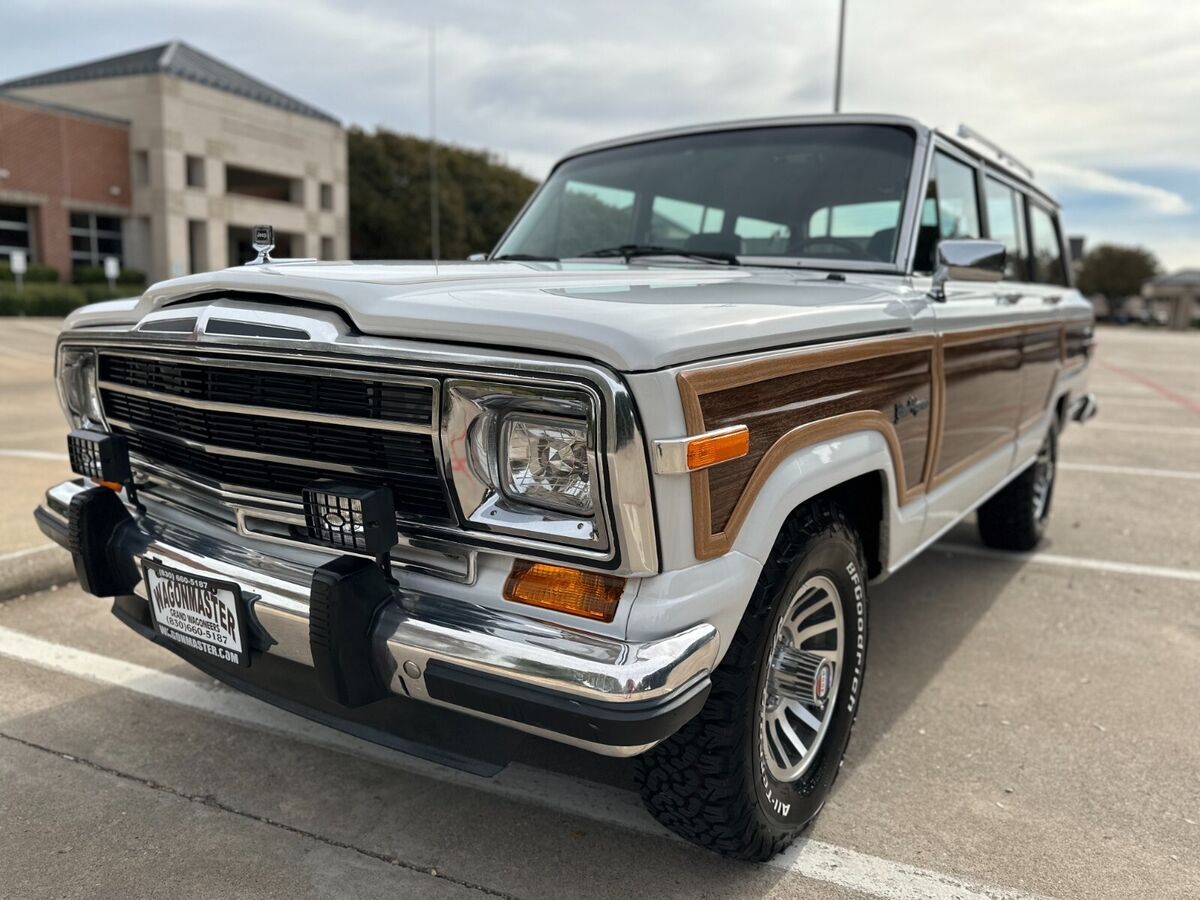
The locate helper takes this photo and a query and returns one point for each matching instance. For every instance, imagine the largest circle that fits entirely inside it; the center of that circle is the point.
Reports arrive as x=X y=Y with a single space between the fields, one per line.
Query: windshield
x=828 y=192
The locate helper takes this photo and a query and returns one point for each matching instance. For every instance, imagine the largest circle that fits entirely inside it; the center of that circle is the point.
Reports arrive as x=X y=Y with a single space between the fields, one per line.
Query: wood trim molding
x=708 y=544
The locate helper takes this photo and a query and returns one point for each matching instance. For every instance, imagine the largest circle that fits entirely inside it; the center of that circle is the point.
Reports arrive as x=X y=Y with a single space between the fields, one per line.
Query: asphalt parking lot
x=1030 y=725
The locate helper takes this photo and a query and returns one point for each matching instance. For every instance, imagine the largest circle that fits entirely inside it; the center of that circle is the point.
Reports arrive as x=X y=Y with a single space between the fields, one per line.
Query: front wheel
x=754 y=768
x=1015 y=518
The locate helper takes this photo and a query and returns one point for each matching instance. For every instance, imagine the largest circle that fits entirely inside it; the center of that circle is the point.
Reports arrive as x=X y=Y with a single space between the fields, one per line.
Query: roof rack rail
x=971 y=134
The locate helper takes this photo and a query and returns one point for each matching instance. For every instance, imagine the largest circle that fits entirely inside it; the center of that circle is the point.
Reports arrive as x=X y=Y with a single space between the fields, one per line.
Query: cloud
x=1102 y=87
x=1079 y=178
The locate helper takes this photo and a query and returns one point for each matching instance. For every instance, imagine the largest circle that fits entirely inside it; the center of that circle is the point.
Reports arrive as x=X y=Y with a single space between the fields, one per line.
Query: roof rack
x=971 y=134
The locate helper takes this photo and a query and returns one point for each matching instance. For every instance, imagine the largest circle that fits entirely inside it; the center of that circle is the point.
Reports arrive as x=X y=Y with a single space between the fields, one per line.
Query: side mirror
x=966 y=259
x=477 y=257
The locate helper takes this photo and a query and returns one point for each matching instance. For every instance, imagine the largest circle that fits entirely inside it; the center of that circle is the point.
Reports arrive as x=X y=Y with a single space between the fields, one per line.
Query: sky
x=1100 y=97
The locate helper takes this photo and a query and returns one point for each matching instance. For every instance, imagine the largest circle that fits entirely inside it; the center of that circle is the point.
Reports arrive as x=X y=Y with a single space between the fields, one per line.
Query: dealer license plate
x=201 y=614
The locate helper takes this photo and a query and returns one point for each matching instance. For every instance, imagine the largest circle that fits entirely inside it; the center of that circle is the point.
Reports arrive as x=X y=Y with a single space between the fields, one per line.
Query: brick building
x=64 y=183
x=165 y=158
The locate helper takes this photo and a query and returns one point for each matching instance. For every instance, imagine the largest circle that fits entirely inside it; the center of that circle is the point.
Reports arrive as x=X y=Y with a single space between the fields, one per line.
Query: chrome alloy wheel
x=801 y=686
x=1043 y=478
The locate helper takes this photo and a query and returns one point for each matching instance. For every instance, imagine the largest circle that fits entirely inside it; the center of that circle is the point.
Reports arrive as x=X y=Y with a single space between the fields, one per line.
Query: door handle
x=1052 y=298
x=1009 y=299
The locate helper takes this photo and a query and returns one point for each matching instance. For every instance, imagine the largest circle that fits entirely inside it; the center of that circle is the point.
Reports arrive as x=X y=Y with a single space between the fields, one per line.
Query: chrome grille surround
x=627 y=509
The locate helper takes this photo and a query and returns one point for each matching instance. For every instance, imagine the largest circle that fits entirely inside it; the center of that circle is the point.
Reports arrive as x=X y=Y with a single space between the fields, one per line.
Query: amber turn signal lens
x=587 y=594
x=111 y=485
x=717 y=448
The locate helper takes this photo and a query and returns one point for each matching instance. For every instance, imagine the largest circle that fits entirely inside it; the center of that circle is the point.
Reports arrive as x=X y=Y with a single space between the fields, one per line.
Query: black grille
x=316 y=392
x=405 y=462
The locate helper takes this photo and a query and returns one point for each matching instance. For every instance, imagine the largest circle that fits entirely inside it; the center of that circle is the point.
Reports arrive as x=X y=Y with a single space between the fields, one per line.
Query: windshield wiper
x=526 y=257
x=629 y=251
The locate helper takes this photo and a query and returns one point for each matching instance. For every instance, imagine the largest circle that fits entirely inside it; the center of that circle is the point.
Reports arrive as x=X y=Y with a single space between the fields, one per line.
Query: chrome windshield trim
x=629 y=504
x=269 y=412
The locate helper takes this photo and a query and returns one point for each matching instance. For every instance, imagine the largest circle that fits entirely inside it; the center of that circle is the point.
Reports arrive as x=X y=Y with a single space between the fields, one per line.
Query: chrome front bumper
x=521 y=656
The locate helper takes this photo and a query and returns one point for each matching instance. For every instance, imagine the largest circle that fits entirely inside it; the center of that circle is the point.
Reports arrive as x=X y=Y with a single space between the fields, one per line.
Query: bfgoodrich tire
x=1015 y=518
x=733 y=779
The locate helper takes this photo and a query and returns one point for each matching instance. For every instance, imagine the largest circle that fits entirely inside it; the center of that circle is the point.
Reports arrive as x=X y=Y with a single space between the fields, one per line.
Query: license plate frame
x=193 y=611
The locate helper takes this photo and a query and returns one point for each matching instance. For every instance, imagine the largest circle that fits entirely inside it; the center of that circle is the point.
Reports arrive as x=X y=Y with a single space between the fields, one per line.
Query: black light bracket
x=102 y=457
x=94 y=520
x=344 y=603
x=353 y=518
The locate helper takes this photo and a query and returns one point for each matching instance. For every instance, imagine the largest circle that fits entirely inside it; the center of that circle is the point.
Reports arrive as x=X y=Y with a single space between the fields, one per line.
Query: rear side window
x=1007 y=225
x=950 y=210
x=1048 y=265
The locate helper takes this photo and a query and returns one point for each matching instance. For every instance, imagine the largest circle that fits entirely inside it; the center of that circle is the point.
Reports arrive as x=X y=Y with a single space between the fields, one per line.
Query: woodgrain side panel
x=1077 y=345
x=1040 y=364
x=941 y=402
x=982 y=372
x=773 y=407
x=794 y=400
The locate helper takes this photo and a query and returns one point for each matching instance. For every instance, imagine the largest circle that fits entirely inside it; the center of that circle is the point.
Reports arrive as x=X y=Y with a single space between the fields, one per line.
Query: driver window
x=952 y=203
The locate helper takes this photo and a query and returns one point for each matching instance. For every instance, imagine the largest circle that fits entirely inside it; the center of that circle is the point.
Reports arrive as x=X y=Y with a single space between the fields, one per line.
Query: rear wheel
x=754 y=768
x=1016 y=517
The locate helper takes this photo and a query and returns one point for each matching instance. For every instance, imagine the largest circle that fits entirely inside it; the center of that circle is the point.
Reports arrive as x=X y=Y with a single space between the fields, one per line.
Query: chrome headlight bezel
x=476 y=419
x=76 y=378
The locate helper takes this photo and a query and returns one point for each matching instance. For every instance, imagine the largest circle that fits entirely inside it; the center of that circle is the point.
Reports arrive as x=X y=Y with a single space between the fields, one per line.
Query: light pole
x=841 y=43
x=434 y=211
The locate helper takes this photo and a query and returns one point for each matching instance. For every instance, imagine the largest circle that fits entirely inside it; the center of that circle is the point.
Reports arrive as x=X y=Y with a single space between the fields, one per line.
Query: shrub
x=95 y=275
x=35 y=274
x=40 y=299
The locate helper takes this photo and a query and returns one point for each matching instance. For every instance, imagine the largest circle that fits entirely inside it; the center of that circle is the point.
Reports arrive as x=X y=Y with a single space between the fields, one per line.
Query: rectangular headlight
x=545 y=461
x=524 y=461
x=77 y=389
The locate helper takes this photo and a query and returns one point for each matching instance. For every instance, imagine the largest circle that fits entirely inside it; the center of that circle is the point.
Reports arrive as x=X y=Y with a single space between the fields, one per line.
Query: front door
x=982 y=348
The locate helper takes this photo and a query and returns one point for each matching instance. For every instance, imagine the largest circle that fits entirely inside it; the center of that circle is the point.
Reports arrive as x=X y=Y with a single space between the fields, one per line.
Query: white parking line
x=1139 y=471
x=1075 y=562
x=30 y=551
x=32 y=454
x=39 y=327
x=23 y=354
x=562 y=793
x=1142 y=429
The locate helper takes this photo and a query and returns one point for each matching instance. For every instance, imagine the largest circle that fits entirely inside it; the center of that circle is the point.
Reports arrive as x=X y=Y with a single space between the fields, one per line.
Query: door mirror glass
x=967 y=260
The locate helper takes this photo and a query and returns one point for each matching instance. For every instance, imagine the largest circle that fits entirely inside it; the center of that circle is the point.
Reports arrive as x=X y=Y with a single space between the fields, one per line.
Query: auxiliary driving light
x=99 y=456
x=351 y=517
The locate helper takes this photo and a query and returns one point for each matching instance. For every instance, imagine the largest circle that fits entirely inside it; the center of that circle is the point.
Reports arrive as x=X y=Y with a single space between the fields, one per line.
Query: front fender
x=817 y=468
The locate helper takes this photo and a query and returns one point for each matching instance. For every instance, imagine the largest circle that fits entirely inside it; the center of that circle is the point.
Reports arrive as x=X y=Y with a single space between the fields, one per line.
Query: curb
x=28 y=572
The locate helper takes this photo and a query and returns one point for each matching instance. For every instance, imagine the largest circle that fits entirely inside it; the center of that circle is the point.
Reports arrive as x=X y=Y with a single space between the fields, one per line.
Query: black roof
x=183 y=61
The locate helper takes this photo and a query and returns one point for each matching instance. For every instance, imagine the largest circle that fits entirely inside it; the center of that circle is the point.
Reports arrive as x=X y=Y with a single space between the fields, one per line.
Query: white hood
x=632 y=317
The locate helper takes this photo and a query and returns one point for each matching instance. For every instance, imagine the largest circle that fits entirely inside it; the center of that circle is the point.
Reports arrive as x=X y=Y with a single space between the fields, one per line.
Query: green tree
x=1117 y=273
x=389 y=197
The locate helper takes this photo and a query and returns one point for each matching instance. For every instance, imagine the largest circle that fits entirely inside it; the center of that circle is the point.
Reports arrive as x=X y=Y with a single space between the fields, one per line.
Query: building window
x=16 y=231
x=263 y=185
x=93 y=237
x=327 y=250
x=326 y=195
x=197 y=246
x=141 y=167
x=194 y=171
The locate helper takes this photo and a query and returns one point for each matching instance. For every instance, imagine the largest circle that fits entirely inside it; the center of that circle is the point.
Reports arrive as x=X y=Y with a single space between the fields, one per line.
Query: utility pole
x=841 y=43
x=434 y=210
